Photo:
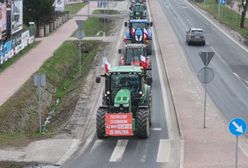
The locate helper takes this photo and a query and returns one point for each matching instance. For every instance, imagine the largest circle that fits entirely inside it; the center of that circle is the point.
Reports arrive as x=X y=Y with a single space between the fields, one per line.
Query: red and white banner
x=119 y=124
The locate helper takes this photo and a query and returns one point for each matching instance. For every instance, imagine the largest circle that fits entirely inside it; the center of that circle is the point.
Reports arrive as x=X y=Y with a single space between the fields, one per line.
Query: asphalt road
x=229 y=88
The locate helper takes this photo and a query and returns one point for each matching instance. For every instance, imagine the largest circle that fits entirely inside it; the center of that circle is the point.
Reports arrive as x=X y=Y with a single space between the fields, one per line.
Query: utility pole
x=39 y=82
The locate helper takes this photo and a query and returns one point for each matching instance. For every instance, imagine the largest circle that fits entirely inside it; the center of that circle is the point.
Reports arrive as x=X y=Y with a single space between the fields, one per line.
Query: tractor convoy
x=126 y=101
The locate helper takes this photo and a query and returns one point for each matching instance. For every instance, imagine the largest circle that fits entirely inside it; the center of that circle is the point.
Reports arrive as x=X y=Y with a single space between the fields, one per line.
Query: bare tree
x=243 y=13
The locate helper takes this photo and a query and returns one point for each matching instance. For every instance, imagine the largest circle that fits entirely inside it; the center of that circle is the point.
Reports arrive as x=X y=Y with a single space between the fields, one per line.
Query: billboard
x=59 y=5
x=3 y=19
x=16 y=15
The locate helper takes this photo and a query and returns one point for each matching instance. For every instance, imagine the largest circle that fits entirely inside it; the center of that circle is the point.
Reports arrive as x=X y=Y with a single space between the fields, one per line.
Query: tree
x=38 y=11
x=243 y=13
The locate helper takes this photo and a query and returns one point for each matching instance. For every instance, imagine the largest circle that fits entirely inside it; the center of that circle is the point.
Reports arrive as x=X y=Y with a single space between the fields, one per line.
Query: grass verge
x=18 y=56
x=226 y=16
x=74 y=8
x=9 y=164
x=18 y=116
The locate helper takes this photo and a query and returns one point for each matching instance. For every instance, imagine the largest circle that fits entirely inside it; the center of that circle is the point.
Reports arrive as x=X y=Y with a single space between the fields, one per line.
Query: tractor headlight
x=117 y=105
x=108 y=92
x=140 y=92
x=126 y=105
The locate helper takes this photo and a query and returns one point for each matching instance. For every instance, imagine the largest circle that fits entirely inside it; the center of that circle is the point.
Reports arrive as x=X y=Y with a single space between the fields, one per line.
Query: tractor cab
x=139 y=31
x=135 y=54
x=138 y=11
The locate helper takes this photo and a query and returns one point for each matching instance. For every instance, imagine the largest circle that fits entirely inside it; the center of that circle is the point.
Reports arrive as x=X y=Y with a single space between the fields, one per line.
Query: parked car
x=195 y=35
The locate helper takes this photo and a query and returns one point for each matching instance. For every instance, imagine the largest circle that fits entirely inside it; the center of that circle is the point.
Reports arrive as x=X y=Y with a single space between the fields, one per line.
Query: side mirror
x=125 y=24
x=149 y=81
x=119 y=51
x=151 y=24
x=98 y=79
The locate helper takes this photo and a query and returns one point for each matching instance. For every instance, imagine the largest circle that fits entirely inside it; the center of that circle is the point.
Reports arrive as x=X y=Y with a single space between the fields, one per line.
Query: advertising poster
x=8 y=50
x=25 y=38
x=1 y=54
x=59 y=5
x=16 y=15
x=3 y=19
x=18 y=44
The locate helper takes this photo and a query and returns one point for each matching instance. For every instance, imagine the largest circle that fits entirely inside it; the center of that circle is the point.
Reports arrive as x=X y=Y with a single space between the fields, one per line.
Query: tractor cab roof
x=134 y=45
x=125 y=69
x=139 y=21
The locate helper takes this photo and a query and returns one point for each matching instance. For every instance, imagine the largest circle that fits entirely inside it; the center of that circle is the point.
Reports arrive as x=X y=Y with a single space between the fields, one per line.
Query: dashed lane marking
x=118 y=151
x=163 y=151
x=156 y=129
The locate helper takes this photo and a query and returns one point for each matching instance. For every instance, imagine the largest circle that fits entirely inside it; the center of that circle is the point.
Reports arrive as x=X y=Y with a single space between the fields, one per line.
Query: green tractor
x=138 y=11
x=126 y=96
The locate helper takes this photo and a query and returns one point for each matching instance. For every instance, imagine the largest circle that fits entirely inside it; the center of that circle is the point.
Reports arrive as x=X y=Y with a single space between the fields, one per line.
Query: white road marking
x=236 y=75
x=156 y=129
x=118 y=151
x=145 y=151
x=163 y=151
x=96 y=145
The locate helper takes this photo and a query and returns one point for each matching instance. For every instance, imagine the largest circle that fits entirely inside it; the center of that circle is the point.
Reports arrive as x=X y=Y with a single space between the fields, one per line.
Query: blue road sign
x=222 y=2
x=237 y=126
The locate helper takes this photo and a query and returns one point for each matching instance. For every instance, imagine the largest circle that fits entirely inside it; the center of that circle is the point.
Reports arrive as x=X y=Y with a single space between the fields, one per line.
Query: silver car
x=195 y=35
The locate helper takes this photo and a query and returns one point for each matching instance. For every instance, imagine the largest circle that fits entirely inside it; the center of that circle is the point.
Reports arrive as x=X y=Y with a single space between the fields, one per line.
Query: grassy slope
x=62 y=74
x=228 y=17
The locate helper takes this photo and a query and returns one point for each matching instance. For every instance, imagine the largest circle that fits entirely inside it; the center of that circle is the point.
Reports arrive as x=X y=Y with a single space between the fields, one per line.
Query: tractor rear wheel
x=143 y=123
x=100 y=123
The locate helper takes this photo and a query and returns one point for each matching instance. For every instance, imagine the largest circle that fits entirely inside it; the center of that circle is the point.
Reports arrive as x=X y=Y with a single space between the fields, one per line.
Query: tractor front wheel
x=100 y=123
x=143 y=123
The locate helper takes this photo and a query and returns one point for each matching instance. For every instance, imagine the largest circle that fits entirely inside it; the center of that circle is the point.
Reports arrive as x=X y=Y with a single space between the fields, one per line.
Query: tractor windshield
x=138 y=8
x=134 y=54
x=125 y=81
x=140 y=25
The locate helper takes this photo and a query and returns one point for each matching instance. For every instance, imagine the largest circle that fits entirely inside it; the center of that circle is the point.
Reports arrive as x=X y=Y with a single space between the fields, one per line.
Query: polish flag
x=143 y=61
x=145 y=34
x=106 y=64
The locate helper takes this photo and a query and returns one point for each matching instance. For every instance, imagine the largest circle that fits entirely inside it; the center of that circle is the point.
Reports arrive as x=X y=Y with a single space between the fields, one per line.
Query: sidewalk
x=18 y=73
x=213 y=147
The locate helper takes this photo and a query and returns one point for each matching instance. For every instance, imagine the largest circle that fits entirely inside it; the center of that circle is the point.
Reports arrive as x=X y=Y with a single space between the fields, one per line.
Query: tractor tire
x=149 y=49
x=104 y=99
x=143 y=123
x=150 y=108
x=100 y=123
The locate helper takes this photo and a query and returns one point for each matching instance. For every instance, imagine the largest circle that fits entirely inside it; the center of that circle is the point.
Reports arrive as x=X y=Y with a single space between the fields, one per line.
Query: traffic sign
x=206 y=57
x=237 y=126
x=80 y=34
x=222 y=2
x=206 y=75
x=39 y=80
x=80 y=24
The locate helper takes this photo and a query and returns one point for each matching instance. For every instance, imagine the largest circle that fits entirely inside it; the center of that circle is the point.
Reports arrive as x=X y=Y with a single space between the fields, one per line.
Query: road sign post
x=205 y=75
x=39 y=82
x=80 y=35
x=237 y=127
